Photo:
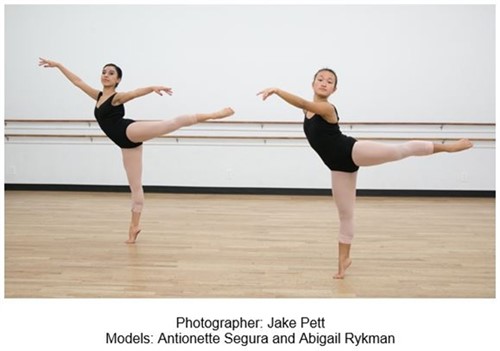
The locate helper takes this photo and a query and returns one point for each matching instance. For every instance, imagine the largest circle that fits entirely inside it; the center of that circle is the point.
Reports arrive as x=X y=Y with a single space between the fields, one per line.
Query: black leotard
x=334 y=148
x=112 y=123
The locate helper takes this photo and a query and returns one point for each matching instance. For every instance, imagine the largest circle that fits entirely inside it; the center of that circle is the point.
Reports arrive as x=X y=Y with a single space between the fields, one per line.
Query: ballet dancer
x=127 y=133
x=343 y=155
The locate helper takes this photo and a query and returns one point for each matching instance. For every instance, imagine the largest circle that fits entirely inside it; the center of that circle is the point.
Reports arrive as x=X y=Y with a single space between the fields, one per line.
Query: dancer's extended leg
x=344 y=193
x=132 y=161
x=141 y=131
x=370 y=153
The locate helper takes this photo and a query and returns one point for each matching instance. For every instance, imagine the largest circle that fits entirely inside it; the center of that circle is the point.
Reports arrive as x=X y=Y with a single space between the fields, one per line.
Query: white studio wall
x=402 y=63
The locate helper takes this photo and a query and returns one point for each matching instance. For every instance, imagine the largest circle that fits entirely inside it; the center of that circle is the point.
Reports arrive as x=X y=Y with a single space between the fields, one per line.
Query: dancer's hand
x=267 y=92
x=47 y=63
x=158 y=90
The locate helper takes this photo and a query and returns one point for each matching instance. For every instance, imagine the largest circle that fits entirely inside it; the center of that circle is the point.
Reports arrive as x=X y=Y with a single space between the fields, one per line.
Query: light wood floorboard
x=71 y=244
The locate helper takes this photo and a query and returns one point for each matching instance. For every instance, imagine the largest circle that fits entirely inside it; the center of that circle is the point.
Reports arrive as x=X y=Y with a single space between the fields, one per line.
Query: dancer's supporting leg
x=370 y=153
x=344 y=193
x=132 y=158
x=141 y=131
x=132 y=161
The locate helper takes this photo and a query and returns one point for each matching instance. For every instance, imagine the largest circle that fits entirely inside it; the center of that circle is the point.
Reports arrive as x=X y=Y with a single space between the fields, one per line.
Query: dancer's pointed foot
x=343 y=265
x=225 y=112
x=460 y=145
x=133 y=232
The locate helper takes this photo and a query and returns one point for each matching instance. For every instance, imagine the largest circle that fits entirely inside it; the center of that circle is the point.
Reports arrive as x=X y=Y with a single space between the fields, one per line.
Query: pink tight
x=370 y=153
x=132 y=158
x=141 y=131
x=132 y=161
x=344 y=194
x=367 y=153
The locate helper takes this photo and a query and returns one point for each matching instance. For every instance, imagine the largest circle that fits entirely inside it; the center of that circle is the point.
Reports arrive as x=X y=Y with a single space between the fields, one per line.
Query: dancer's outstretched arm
x=122 y=98
x=322 y=108
x=73 y=78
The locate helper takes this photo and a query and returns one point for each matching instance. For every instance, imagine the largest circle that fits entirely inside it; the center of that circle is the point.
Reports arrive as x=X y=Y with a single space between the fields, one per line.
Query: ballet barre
x=17 y=129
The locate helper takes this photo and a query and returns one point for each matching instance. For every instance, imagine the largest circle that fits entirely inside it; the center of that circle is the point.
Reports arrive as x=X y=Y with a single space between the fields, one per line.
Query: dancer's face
x=109 y=76
x=324 y=84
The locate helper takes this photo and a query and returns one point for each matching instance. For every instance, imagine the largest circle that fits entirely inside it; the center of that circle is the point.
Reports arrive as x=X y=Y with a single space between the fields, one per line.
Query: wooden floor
x=70 y=244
